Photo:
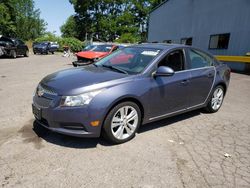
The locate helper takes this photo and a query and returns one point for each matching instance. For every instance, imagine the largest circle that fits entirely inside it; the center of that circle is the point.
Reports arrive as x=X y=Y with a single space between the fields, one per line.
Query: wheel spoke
x=214 y=100
x=128 y=130
x=132 y=115
x=125 y=111
x=219 y=93
x=119 y=132
x=116 y=124
x=122 y=113
x=131 y=126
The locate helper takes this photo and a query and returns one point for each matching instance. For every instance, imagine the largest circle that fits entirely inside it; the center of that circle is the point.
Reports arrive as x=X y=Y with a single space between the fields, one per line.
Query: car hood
x=75 y=81
x=91 y=54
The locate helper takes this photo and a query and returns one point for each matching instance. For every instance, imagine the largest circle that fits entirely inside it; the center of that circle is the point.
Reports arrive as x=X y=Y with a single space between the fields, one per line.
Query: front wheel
x=216 y=100
x=26 y=53
x=122 y=122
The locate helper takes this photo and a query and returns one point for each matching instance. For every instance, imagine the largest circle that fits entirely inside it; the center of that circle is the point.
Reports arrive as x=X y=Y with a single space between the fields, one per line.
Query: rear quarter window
x=199 y=59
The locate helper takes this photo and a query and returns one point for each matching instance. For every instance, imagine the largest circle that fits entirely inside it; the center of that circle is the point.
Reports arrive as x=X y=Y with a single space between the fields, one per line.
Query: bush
x=128 y=38
x=74 y=44
x=48 y=37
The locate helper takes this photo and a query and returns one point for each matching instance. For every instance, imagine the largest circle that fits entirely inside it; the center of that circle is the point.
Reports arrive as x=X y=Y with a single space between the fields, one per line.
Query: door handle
x=210 y=75
x=185 y=82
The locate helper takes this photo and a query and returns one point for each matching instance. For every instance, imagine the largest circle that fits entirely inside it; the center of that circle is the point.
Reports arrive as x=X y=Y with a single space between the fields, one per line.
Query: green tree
x=108 y=20
x=19 y=18
x=69 y=28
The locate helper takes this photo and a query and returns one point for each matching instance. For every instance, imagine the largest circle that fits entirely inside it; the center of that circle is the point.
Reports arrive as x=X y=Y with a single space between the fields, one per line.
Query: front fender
x=135 y=89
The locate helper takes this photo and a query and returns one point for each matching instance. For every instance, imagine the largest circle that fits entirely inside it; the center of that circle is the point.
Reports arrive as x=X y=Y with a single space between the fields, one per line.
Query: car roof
x=162 y=46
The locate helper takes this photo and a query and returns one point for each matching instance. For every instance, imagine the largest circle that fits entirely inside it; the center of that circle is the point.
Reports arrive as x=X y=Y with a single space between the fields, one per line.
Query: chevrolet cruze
x=130 y=87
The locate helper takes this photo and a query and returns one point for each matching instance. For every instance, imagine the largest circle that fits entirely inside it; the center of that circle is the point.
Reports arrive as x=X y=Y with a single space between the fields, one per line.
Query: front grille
x=44 y=122
x=46 y=90
x=84 y=60
x=42 y=101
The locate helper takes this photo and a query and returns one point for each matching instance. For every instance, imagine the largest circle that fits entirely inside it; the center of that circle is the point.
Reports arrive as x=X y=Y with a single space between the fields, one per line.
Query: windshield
x=133 y=60
x=98 y=48
x=44 y=43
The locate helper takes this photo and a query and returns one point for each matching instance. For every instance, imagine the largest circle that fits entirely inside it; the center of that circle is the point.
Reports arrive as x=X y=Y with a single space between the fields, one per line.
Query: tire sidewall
x=107 y=123
x=13 y=54
x=26 y=53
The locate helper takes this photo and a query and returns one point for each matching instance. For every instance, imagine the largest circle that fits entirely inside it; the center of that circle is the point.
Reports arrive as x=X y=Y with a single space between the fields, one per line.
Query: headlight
x=79 y=100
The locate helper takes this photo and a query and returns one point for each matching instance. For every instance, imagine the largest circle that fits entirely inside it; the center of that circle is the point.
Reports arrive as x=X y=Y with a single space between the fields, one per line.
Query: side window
x=174 y=60
x=199 y=59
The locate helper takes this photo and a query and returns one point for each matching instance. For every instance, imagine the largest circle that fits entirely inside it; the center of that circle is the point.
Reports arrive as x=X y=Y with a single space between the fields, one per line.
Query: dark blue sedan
x=132 y=86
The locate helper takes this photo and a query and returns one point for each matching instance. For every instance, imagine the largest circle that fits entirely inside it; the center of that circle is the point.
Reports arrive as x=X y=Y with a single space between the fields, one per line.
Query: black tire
x=26 y=53
x=52 y=52
x=107 y=129
x=34 y=53
x=209 y=108
x=13 y=54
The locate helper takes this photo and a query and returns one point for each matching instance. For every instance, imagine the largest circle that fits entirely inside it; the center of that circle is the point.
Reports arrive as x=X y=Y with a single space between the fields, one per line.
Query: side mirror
x=164 y=71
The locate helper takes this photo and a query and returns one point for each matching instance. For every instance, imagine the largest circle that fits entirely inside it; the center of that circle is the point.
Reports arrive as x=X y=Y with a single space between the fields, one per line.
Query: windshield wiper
x=115 y=68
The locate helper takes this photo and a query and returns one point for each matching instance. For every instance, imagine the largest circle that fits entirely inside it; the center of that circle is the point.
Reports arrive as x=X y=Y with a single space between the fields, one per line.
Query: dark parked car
x=13 y=47
x=45 y=48
x=130 y=87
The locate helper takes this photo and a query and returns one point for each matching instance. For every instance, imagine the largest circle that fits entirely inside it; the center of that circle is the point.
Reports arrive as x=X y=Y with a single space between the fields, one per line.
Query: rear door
x=170 y=94
x=21 y=47
x=203 y=73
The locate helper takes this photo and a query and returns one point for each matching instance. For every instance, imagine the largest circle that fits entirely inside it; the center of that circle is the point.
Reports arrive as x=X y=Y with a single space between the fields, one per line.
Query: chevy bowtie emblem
x=40 y=92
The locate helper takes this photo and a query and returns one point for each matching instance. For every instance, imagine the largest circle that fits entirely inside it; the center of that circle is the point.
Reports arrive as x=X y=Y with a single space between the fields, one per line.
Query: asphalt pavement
x=190 y=150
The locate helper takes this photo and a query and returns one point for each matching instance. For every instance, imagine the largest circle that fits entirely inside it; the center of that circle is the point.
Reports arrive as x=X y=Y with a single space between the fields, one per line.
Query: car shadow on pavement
x=168 y=121
x=67 y=141
x=84 y=143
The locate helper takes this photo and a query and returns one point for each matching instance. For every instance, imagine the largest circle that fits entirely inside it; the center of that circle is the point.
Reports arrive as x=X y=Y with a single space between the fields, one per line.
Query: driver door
x=169 y=94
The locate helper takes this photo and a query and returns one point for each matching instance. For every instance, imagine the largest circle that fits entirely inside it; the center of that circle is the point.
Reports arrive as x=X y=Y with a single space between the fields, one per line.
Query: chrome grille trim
x=46 y=90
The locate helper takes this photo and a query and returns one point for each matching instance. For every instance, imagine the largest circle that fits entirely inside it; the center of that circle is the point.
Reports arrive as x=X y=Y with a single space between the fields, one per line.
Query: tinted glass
x=132 y=60
x=44 y=43
x=102 y=48
x=199 y=59
x=220 y=41
x=174 y=60
x=20 y=42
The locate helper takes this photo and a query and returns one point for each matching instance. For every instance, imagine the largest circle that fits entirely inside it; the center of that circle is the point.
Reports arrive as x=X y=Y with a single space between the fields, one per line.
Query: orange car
x=93 y=53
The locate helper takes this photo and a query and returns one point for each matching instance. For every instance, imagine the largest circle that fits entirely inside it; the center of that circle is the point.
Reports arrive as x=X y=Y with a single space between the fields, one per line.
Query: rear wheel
x=122 y=122
x=13 y=54
x=216 y=100
x=26 y=53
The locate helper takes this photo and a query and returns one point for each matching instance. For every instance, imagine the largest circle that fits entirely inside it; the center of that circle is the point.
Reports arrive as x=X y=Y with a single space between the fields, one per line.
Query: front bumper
x=73 y=121
x=39 y=50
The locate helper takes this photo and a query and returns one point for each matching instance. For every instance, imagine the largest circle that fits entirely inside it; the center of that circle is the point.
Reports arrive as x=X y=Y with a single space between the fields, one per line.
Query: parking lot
x=191 y=150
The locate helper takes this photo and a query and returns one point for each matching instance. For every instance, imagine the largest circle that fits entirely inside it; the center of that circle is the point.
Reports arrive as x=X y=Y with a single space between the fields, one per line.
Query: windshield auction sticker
x=150 y=53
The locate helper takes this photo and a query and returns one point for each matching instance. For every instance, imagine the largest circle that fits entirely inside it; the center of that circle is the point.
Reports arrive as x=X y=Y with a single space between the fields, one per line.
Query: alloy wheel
x=217 y=98
x=124 y=122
